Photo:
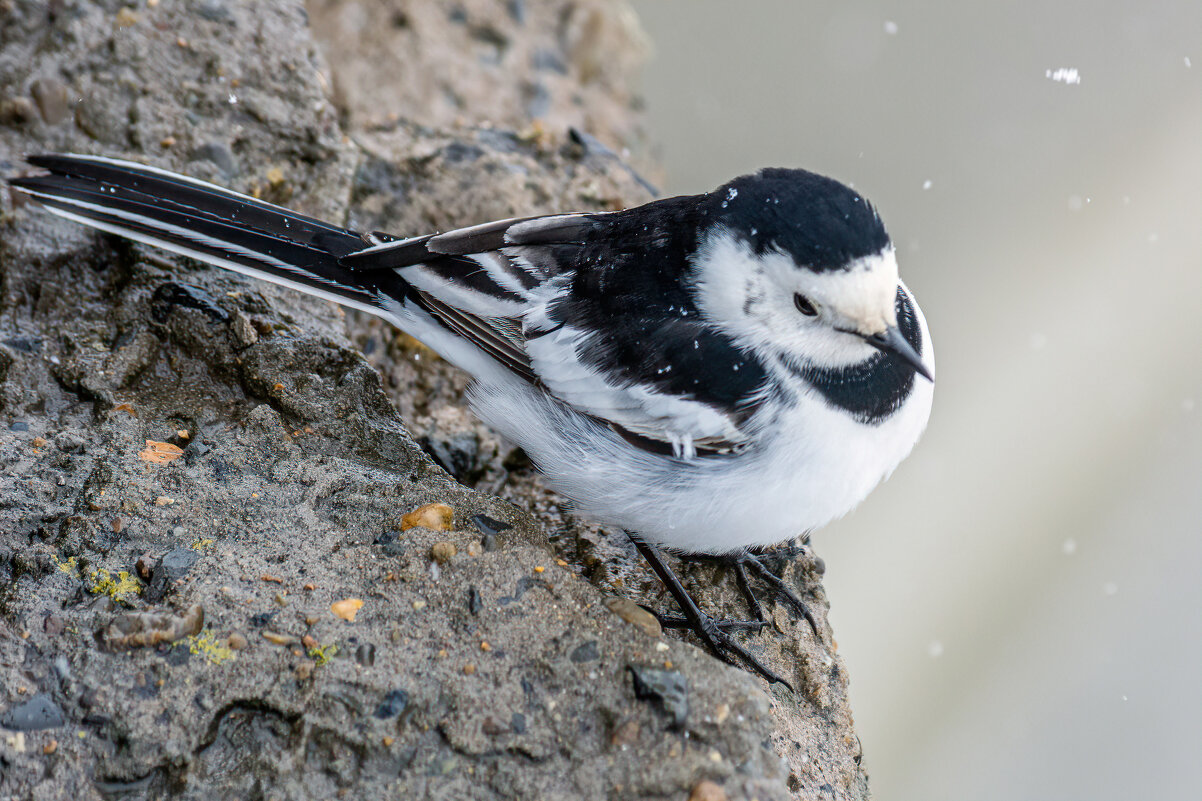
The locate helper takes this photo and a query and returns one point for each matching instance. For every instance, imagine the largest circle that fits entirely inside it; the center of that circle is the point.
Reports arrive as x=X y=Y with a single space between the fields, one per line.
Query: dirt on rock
x=208 y=583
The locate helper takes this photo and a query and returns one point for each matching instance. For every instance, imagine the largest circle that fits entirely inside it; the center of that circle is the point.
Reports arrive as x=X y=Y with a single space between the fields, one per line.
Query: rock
x=53 y=99
x=169 y=569
x=443 y=552
x=39 y=712
x=434 y=516
x=585 y=652
x=143 y=629
x=635 y=615
x=394 y=703
x=706 y=790
x=666 y=688
x=298 y=454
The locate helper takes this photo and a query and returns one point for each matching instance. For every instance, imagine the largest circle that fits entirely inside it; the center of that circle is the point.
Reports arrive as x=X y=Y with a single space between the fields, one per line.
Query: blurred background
x=1020 y=606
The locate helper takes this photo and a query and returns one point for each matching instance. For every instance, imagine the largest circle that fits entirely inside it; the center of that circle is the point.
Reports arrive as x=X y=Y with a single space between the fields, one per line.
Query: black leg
x=718 y=641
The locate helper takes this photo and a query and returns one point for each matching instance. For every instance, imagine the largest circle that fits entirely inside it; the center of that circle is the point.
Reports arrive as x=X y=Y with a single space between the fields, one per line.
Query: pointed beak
x=891 y=341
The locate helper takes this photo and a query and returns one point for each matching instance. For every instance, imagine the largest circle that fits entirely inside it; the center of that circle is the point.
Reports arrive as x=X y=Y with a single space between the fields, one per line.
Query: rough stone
x=298 y=454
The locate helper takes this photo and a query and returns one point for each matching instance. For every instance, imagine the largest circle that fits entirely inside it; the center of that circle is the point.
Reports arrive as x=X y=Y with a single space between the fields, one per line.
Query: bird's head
x=795 y=262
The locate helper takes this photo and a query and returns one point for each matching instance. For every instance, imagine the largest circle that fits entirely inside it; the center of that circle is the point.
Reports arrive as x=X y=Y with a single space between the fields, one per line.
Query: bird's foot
x=749 y=563
x=681 y=622
x=713 y=633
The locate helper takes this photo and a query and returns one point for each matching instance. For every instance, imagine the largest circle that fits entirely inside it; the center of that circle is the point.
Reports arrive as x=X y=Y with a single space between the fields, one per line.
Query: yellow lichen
x=119 y=588
x=322 y=654
x=204 y=644
x=68 y=566
x=201 y=544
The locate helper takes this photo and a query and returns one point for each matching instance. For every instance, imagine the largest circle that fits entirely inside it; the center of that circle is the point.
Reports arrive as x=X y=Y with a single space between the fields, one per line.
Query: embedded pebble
x=443 y=552
x=346 y=608
x=635 y=615
x=585 y=652
x=39 y=712
x=706 y=790
x=143 y=629
x=434 y=516
x=394 y=703
x=278 y=639
x=668 y=689
x=172 y=567
x=236 y=642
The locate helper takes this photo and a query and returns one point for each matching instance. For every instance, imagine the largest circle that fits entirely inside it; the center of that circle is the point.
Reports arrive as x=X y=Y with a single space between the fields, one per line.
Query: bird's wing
x=541 y=296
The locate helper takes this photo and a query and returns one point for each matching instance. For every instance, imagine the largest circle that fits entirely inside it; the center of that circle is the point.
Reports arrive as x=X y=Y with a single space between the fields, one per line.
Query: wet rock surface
x=208 y=587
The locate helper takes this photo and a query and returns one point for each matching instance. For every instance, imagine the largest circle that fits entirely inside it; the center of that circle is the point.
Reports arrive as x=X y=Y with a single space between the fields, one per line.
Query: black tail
x=206 y=222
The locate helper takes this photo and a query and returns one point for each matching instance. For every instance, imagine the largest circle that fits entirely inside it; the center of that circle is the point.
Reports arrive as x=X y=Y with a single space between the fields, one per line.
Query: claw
x=678 y=622
x=708 y=630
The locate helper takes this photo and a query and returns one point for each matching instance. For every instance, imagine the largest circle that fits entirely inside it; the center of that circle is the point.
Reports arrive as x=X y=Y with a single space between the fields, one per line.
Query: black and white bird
x=713 y=373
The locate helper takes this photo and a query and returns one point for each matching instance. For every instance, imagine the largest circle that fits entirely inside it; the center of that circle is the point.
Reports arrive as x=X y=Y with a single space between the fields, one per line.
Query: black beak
x=892 y=341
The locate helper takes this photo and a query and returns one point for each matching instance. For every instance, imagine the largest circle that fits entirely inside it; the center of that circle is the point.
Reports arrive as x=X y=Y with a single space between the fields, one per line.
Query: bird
x=715 y=374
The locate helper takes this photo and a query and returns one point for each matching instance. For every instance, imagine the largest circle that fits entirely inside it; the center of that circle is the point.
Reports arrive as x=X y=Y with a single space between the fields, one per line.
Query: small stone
x=443 y=552
x=170 y=569
x=365 y=654
x=53 y=99
x=160 y=452
x=127 y=17
x=706 y=790
x=586 y=652
x=163 y=500
x=275 y=638
x=309 y=641
x=667 y=688
x=217 y=153
x=635 y=615
x=346 y=608
x=305 y=669
x=16 y=110
x=236 y=642
x=50 y=747
x=394 y=703
x=144 y=629
x=243 y=330
x=39 y=442
x=484 y=646
x=626 y=734
x=54 y=625
x=493 y=727
x=309 y=587
x=469 y=669
x=434 y=516
x=39 y=712
x=387 y=741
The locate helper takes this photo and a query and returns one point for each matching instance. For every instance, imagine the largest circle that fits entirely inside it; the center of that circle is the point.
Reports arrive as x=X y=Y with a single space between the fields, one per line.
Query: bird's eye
x=803 y=305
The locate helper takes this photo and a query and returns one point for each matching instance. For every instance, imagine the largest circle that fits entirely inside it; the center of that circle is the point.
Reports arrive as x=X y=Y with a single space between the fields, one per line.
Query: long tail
x=208 y=223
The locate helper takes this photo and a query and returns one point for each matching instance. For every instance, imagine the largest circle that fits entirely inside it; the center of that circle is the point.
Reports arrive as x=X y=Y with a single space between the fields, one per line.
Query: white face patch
x=751 y=297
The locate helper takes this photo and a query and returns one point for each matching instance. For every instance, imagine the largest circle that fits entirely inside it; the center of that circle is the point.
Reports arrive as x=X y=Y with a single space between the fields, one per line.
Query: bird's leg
x=742 y=563
x=718 y=641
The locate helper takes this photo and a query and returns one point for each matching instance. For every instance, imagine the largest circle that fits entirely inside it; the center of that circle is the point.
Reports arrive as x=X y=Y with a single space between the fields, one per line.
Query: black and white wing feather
x=591 y=308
